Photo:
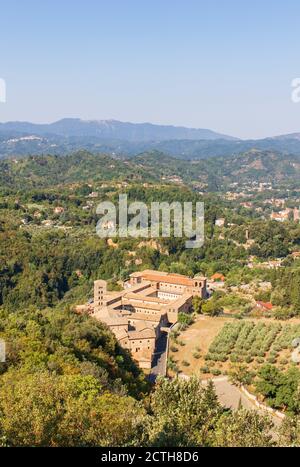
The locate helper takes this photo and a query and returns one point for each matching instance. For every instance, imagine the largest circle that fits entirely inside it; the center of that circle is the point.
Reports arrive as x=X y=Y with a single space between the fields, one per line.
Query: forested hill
x=254 y=165
x=48 y=170
x=251 y=166
x=152 y=166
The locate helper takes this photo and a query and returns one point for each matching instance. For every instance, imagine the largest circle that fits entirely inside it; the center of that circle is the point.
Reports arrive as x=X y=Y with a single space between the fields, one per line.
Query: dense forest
x=211 y=174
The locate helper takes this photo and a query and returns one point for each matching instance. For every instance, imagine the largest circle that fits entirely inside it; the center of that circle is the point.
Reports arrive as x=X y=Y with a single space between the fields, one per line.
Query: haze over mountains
x=112 y=129
x=123 y=139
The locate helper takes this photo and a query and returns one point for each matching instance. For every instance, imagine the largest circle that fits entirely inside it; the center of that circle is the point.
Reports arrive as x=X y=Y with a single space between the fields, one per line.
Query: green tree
x=243 y=428
x=197 y=304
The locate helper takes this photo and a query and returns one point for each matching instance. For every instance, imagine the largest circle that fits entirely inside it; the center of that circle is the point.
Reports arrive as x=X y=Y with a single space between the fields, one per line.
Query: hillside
x=250 y=166
x=214 y=174
x=201 y=149
x=48 y=170
x=65 y=374
x=260 y=166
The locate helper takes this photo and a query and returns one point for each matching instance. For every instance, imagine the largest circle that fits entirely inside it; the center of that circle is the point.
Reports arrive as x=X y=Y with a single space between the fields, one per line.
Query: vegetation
x=281 y=389
x=47 y=409
x=66 y=381
x=243 y=341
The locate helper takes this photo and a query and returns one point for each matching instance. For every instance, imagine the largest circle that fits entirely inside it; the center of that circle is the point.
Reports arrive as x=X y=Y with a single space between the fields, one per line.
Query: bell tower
x=100 y=289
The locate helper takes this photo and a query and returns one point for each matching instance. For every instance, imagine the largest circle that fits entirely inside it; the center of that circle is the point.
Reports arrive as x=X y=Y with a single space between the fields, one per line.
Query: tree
x=185 y=319
x=183 y=413
x=240 y=375
x=289 y=432
x=280 y=388
x=44 y=409
x=211 y=307
x=197 y=304
x=243 y=428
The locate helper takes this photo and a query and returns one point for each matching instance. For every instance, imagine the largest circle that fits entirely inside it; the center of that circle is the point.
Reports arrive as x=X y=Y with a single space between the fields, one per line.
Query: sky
x=219 y=64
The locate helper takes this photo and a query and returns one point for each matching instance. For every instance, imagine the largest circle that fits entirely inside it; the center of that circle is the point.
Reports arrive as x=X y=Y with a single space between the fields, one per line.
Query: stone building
x=147 y=306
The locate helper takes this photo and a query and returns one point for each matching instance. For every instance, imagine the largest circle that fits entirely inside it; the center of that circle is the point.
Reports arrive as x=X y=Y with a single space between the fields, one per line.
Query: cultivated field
x=211 y=345
x=196 y=341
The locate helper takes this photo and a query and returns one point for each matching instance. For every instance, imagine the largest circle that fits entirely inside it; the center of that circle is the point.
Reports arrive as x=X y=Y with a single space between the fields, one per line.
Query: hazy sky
x=222 y=65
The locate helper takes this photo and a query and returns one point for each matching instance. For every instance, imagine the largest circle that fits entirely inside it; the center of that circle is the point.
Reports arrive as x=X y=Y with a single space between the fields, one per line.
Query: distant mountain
x=195 y=150
x=21 y=144
x=289 y=136
x=124 y=140
x=111 y=129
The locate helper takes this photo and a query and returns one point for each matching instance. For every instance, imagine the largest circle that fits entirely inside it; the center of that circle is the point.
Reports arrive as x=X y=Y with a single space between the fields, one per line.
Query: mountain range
x=111 y=129
x=123 y=140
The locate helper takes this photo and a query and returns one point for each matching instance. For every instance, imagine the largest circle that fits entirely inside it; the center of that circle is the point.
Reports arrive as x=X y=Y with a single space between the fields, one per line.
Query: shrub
x=216 y=372
x=185 y=319
x=241 y=341
x=185 y=363
x=283 y=361
x=271 y=360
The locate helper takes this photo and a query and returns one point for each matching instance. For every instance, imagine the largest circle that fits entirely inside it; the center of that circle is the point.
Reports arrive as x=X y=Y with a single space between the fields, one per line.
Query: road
x=160 y=357
x=230 y=396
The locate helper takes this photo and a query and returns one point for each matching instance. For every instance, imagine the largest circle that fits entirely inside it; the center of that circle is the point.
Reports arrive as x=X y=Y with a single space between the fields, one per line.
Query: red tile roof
x=217 y=276
x=266 y=305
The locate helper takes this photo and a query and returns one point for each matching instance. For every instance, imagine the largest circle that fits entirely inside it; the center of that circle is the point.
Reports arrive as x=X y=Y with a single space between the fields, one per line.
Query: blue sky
x=218 y=64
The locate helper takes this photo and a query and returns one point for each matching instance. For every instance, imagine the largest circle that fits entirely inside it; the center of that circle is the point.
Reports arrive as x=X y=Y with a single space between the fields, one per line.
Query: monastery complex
x=147 y=306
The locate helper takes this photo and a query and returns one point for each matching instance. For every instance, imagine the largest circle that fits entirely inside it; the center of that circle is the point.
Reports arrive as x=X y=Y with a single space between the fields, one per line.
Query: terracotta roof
x=217 y=275
x=146 y=317
x=144 y=298
x=266 y=305
x=111 y=320
x=170 y=279
x=146 y=333
x=178 y=302
x=121 y=333
x=116 y=321
x=145 y=306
